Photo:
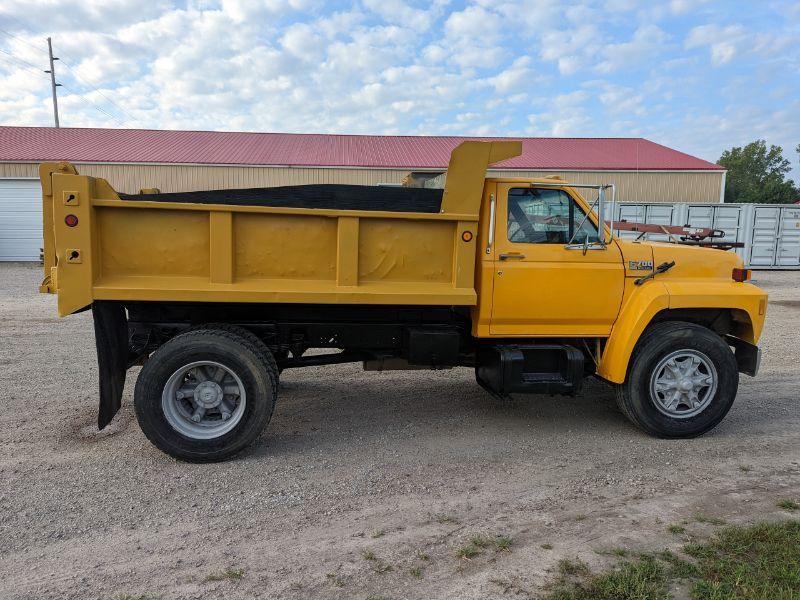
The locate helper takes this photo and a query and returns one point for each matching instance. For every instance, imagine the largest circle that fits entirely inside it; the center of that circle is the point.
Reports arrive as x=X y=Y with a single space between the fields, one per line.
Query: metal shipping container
x=770 y=232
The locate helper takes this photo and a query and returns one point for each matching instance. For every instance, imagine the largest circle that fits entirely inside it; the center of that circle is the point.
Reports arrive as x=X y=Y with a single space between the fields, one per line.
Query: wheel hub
x=683 y=383
x=208 y=394
x=203 y=400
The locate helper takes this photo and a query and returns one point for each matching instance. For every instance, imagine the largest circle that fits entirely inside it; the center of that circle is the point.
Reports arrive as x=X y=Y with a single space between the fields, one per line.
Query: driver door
x=542 y=288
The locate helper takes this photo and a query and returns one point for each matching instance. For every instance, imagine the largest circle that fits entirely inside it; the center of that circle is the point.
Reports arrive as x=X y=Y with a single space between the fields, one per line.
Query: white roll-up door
x=20 y=219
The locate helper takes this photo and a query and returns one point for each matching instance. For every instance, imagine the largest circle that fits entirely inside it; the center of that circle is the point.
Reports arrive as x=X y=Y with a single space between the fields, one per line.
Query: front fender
x=642 y=304
x=747 y=304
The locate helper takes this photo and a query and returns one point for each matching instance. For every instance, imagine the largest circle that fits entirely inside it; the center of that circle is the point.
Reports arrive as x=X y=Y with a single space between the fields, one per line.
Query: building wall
x=129 y=178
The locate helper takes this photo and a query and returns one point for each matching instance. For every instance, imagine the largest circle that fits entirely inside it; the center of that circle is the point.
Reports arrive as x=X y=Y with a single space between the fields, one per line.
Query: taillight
x=741 y=274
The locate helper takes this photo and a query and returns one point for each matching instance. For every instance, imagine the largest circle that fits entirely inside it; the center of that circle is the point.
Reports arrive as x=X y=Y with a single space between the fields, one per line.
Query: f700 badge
x=640 y=265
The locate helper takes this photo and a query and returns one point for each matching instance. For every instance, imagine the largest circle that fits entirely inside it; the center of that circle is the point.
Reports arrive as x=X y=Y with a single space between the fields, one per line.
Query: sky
x=696 y=75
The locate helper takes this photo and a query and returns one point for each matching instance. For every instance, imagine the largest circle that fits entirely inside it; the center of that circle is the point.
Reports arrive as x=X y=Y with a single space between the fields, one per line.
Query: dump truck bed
x=322 y=245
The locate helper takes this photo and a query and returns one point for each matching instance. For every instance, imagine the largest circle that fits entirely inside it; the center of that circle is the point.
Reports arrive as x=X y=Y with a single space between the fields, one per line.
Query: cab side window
x=545 y=216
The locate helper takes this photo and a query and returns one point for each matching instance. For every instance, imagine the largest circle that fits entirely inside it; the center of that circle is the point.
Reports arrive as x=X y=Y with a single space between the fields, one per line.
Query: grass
x=469 y=551
x=126 y=596
x=580 y=517
x=423 y=555
x=226 y=575
x=567 y=566
x=546 y=546
x=745 y=468
x=758 y=562
x=416 y=572
x=382 y=567
x=444 y=519
x=679 y=568
x=336 y=579
x=708 y=520
x=503 y=543
x=676 y=529
x=642 y=579
x=378 y=533
x=789 y=505
x=479 y=541
x=368 y=555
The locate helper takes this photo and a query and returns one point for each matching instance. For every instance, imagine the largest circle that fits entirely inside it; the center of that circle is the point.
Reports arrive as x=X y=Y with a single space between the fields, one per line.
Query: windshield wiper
x=662 y=268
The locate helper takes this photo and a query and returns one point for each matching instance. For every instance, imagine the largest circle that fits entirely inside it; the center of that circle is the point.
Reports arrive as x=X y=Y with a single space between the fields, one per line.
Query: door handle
x=512 y=256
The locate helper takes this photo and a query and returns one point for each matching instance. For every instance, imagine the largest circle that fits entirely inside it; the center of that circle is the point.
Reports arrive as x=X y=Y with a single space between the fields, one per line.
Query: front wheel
x=206 y=394
x=681 y=383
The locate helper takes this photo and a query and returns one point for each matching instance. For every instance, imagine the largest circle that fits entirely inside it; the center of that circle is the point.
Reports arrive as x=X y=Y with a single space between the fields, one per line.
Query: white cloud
x=504 y=67
x=621 y=100
x=679 y=7
x=516 y=77
x=400 y=13
x=646 y=42
x=302 y=41
x=722 y=41
x=571 y=49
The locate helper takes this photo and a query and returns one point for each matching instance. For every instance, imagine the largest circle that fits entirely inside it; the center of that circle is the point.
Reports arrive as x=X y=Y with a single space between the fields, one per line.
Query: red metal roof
x=313 y=150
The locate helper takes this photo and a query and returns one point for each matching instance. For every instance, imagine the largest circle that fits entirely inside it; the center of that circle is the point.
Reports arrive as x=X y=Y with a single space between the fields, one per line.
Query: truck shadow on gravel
x=330 y=414
x=333 y=411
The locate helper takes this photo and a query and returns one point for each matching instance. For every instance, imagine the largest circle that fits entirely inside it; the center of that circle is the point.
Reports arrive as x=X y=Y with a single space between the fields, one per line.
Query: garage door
x=20 y=219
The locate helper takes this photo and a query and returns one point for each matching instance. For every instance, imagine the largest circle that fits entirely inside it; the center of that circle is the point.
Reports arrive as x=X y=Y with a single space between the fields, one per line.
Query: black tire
x=253 y=364
x=267 y=357
x=636 y=401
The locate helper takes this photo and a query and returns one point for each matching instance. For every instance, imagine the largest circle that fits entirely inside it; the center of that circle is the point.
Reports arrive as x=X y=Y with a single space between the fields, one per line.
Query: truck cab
x=522 y=280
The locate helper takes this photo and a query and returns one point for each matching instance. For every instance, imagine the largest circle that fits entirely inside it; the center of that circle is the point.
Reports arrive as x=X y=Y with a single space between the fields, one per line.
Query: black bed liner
x=330 y=196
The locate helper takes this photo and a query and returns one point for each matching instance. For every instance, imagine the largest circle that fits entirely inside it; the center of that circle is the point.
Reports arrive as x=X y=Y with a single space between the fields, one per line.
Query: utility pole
x=53 y=83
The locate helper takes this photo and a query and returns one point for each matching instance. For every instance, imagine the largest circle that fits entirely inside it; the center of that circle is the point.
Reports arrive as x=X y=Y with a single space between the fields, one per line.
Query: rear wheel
x=206 y=394
x=681 y=383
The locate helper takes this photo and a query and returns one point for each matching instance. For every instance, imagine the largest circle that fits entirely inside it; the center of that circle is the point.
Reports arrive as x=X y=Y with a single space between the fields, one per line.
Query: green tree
x=758 y=174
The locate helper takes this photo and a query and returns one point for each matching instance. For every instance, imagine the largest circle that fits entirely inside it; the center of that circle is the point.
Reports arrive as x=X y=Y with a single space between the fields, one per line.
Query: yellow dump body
x=185 y=252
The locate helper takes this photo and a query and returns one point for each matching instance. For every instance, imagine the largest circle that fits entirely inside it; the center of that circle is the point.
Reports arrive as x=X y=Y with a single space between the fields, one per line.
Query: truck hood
x=690 y=261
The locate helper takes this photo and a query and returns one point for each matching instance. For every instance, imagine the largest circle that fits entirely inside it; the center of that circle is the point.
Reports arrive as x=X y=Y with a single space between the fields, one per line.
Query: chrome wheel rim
x=683 y=384
x=203 y=400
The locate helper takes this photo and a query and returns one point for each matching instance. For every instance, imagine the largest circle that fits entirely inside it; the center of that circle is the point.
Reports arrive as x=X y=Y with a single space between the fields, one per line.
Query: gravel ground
x=405 y=465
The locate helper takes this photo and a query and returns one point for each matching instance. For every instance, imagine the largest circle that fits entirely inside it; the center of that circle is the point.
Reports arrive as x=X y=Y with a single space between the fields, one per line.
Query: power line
x=86 y=83
x=94 y=105
x=9 y=60
x=21 y=63
x=16 y=37
x=18 y=59
x=74 y=74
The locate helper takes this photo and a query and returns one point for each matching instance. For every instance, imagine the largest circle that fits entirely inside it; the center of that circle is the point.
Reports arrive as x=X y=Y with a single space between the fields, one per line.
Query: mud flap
x=111 y=338
x=748 y=356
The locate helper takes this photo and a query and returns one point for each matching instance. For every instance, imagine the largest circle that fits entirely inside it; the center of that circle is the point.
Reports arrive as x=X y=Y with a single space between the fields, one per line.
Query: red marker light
x=71 y=220
x=741 y=274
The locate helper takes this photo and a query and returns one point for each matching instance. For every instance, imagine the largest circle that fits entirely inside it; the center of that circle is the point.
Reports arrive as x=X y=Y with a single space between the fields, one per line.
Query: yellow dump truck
x=216 y=292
